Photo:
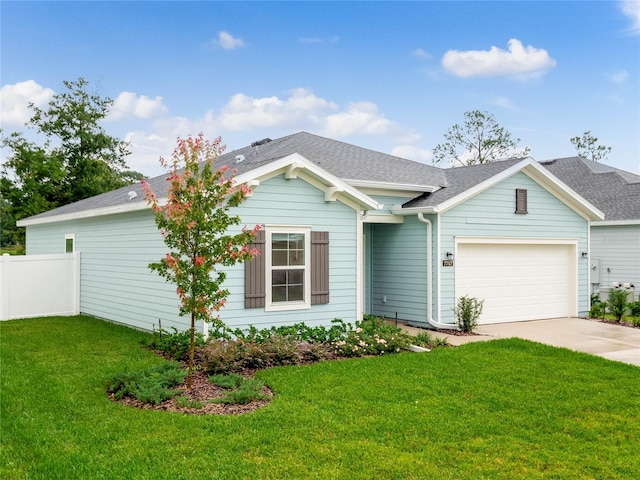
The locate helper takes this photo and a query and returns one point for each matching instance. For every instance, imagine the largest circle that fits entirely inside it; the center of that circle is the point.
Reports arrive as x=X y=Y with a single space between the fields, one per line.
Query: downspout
x=430 y=320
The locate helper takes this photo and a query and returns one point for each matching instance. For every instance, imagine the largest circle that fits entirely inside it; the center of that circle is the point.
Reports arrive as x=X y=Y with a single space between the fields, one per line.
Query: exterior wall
x=116 y=283
x=615 y=251
x=491 y=214
x=399 y=270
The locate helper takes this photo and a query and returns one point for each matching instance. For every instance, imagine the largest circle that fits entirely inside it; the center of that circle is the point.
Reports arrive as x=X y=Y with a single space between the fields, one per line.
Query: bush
x=617 y=302
x=153 y=385
x=243 y=390
x=426 y=340
x=597 y=307
x=372 y=336
x=298 y=331
x=467 y=312
x=635 y=308
x=175 y=345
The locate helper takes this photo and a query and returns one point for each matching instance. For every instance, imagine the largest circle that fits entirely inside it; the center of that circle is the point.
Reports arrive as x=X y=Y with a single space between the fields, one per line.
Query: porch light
x=449 y=255
x=585 y=254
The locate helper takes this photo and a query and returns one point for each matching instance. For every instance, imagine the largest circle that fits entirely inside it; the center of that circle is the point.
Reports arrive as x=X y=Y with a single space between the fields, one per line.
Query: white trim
x=294 y=166
x=615 y=223
x=399 y=187
x=94 y=212
x=270 y=306
x=517 y=240
x=533 y=170
x=360 y=262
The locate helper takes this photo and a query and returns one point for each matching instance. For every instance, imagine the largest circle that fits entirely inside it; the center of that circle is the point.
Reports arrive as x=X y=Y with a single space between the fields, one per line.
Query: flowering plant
x=372 y=336
x=194 y=224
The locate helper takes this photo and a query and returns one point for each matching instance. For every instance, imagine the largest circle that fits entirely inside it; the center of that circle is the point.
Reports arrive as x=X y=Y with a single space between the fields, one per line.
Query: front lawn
x=499 y=409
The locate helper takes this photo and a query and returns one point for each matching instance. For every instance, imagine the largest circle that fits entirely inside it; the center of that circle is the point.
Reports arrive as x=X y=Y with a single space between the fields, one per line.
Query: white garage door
x=518 y=281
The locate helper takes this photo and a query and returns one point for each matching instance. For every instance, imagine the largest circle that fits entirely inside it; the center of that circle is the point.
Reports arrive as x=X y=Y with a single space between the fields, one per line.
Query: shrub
x=635 y=308
x=427 y=340
x=174 y=345
x=299 y=331
x=243 y=390
x=467 y=313
x=597 y=309
x=617 y=302
x=372 y=336
x=186 y=402
x=153 y=385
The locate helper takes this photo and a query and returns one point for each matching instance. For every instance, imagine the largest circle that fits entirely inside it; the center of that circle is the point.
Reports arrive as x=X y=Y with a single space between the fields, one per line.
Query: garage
x=518 y=281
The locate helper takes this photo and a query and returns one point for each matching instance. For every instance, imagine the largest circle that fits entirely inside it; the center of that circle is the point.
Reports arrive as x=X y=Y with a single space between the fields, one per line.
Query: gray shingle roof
x=459 y=180
x=616 y=192
x=345 y=161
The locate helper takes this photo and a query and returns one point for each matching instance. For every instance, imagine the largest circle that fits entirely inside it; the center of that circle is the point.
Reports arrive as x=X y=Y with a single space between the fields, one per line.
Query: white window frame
x=270 y=305
x=72 y=237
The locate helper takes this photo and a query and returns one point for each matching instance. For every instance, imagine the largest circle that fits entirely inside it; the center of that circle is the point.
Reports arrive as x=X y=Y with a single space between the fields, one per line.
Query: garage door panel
x=518 y=281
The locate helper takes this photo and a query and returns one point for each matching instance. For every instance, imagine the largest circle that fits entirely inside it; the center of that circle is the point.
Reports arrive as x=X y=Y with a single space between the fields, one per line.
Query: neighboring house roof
x=616 y=192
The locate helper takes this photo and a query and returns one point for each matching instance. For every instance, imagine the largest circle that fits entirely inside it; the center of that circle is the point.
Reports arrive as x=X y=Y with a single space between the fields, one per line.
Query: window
x=521 y=200
x=69 y=243
x=292 y=271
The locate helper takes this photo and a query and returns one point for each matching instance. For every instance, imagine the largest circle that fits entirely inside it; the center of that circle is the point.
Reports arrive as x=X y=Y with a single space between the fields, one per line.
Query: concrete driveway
x=614 y=342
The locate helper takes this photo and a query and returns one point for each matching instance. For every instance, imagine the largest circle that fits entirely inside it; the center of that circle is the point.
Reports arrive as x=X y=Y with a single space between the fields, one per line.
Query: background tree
x=78 y=159
x=194 y=224
x=479 y=140
x=587 y=147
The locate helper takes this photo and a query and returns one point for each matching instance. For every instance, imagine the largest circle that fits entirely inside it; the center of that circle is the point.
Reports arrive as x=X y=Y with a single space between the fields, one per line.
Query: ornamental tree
x=194 y=223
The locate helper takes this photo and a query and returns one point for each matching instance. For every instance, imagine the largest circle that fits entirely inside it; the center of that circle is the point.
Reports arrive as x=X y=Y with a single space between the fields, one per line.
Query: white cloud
x=228 y=41
x=359 y=118
x=130 y=105
x=15 y=99
x=631 y=8
x=619 y=76
x=519 y=61
x=420 y=53
x=301 y=110
x=412 y=152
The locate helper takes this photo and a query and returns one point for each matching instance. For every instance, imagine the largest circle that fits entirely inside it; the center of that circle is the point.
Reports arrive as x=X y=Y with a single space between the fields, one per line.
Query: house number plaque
x=447 y=263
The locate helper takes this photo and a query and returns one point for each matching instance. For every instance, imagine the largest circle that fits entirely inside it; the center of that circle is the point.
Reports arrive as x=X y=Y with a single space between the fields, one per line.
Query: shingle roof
x=345 y=161
x=459 y=180
x=616 y=192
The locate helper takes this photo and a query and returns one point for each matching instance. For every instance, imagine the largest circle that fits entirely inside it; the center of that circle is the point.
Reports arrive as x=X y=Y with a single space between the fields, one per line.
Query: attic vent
x=257 y=143
x=550 y=162
x=239 y=158
x=132 y=195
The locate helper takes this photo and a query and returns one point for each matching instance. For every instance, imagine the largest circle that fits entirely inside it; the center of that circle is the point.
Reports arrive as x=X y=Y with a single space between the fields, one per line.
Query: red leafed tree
x=194 y=223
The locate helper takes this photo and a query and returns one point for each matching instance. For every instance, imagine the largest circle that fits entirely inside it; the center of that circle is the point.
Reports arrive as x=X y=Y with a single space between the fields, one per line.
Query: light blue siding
x=491 y=214
x=116 y=283
x=399 y=270
x=616 y=249
x=388 y=201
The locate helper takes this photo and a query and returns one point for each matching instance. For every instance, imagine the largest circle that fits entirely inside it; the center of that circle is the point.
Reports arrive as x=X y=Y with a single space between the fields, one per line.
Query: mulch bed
x=623 y=323
x=204 y=391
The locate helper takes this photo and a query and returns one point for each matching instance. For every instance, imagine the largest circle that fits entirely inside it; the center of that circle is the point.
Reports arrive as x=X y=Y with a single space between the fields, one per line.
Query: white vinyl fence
x=39 y=285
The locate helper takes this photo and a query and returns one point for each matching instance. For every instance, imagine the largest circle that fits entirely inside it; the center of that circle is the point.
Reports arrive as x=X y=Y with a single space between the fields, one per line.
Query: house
x=615 y=241
x=372 y=233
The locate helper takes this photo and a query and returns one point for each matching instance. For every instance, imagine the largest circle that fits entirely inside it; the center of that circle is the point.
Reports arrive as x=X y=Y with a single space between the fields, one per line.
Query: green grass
x=499 y=409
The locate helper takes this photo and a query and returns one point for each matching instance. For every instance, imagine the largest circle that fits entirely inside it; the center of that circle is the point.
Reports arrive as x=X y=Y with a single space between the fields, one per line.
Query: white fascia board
x=94 y=212
x=530 y=168
x=296 y=163
x=394 y=187
x=293 y=163
x=615 y=223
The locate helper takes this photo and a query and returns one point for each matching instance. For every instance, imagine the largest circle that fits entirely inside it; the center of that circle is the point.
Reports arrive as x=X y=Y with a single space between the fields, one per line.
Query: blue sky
x=390 y=76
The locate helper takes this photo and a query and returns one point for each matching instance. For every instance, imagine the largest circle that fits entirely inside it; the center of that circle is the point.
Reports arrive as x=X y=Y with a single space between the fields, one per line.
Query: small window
x=69 y=243
x=521 y=200
x=288 y=273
